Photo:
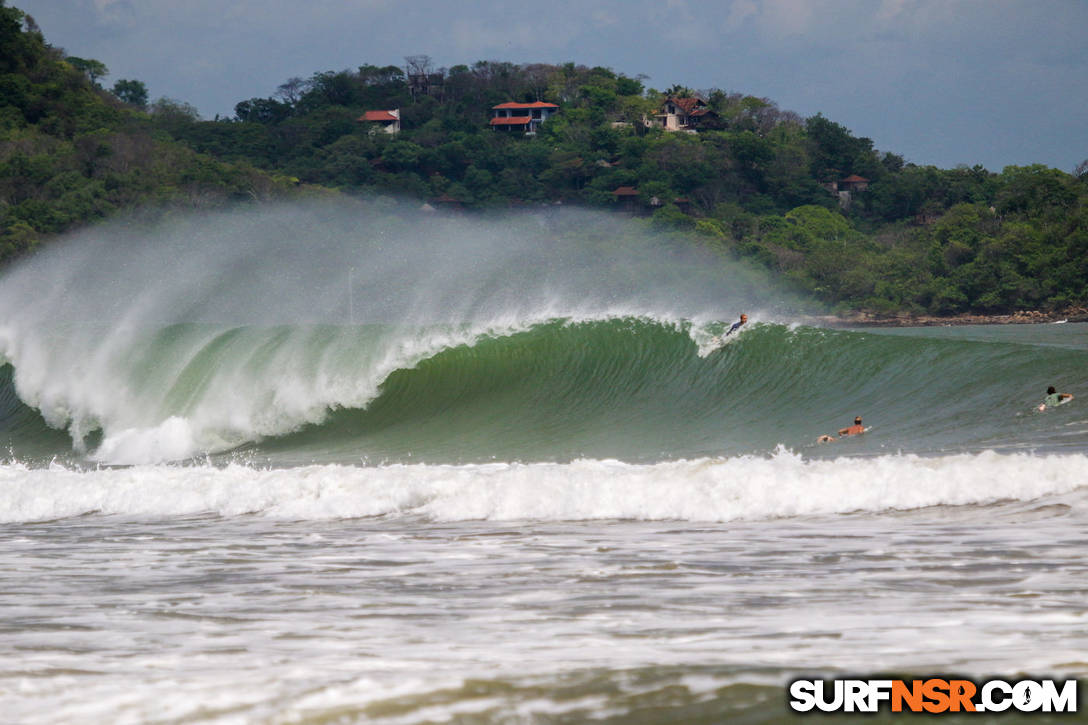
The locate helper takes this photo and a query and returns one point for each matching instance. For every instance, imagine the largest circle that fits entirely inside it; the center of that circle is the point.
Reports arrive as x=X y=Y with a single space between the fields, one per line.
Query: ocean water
x=337 y=464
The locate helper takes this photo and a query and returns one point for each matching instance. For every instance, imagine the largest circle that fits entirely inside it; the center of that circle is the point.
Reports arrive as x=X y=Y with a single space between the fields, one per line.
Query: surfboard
x=720 y=341
x=1044 y=406
x=726 y=337
x=831 y=439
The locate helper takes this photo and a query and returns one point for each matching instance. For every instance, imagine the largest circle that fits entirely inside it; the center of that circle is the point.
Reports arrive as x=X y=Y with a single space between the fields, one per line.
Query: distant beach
x=866 y=319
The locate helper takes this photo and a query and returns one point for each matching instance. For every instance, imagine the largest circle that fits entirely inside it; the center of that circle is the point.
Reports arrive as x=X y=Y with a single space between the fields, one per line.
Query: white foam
x=170 y=440
x=710 y=490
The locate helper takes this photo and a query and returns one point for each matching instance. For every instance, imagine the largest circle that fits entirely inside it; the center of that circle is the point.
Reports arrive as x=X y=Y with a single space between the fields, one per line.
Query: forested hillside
x=72 y=153
x=858 y=228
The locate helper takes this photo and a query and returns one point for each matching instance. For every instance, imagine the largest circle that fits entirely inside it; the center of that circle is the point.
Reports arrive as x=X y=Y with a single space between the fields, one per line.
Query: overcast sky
x=942 y=82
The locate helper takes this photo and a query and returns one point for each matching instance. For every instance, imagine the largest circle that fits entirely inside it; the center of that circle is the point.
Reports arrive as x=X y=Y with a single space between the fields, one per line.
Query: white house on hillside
x=525 y=117
x=683 y=114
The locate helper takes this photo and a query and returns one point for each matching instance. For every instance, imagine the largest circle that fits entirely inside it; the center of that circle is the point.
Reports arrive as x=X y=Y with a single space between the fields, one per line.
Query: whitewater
x=353 y=462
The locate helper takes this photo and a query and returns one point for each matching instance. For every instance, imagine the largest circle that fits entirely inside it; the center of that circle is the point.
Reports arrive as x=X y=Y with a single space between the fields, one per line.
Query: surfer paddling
x=852 y=430
x=1053 y=397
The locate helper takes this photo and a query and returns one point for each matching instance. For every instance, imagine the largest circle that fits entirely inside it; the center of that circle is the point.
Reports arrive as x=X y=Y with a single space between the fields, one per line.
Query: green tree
x=837 y=153
x=268 y=111
x=629 y=86
x=134 y=93
x=18 y=49
x=93 y=69
x=1035 y=190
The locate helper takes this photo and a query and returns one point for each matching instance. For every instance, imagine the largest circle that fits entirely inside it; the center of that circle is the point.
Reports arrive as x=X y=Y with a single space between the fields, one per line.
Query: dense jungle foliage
x=72 y=153
x=757 y=181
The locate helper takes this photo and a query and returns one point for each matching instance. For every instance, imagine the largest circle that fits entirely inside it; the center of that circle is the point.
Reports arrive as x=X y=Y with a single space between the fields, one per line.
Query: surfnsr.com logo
x=933 y=695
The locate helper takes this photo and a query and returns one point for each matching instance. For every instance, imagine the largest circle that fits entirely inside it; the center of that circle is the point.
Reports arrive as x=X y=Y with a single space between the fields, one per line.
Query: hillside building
x=525 y=117
x=387 y=121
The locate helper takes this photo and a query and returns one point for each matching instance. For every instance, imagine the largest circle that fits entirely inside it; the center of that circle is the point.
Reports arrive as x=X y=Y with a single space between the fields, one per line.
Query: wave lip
x=702 y=490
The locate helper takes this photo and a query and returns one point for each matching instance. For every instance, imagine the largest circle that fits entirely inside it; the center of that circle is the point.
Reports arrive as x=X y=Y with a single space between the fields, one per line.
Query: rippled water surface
x=206 y=619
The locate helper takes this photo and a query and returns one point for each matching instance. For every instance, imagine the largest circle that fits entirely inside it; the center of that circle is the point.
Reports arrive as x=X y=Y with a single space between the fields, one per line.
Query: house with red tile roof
x=683 y=114
x=525 y=117
x=389 y=120
x=626 y=197
x=845 y=188
x=853 y=182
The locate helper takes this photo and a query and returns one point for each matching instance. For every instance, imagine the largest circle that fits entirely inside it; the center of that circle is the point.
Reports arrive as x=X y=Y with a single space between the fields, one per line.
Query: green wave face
x=643 y=391
x=629 y=388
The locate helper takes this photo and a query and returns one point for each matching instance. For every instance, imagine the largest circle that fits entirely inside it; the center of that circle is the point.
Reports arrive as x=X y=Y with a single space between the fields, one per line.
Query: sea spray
x=205 y=327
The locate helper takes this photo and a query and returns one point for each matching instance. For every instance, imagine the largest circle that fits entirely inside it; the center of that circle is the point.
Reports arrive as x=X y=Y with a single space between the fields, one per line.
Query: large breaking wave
x=631 y=388
x=372 y=333
x=331 y=360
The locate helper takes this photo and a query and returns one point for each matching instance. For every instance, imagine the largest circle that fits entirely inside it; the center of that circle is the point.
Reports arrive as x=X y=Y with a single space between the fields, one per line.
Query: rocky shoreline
x=864 y=319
